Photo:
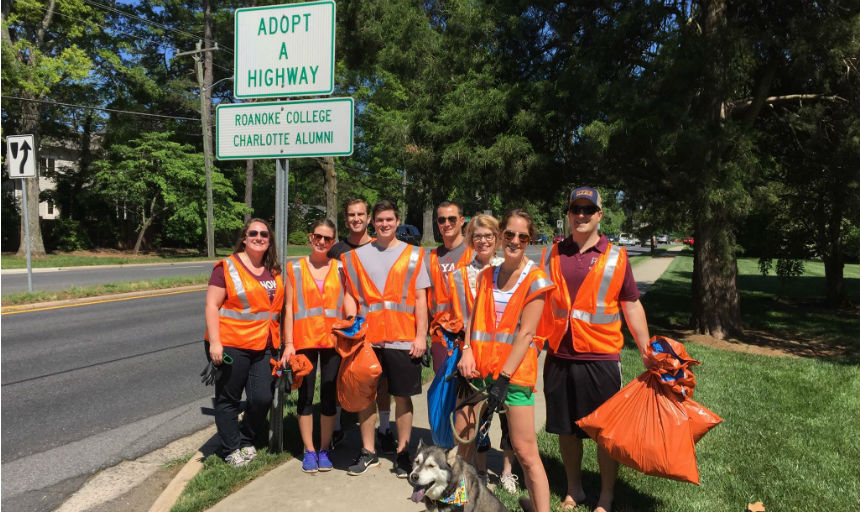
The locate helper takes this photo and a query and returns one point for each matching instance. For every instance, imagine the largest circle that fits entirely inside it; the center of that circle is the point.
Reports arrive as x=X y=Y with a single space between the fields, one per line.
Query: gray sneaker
x=249 y=452
x=363 y=462
x=236 y=459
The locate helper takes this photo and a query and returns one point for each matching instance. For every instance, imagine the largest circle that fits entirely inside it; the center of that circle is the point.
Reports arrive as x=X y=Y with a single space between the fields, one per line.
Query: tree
x=158 y=179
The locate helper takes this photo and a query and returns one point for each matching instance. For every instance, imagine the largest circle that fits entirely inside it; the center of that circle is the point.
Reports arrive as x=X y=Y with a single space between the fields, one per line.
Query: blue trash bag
x=442 y=395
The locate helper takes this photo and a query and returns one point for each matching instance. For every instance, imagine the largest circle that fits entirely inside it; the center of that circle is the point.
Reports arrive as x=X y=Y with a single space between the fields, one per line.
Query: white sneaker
x=236 y=459
x=509 y=482
x=249 y=452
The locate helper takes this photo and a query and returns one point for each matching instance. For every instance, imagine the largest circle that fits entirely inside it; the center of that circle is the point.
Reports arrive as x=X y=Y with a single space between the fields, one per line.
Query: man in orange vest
x=453 y=253
x=388 y=280
x=583 y=367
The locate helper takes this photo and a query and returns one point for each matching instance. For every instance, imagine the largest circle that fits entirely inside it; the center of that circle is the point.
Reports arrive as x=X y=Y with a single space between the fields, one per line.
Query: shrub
x=298 y=238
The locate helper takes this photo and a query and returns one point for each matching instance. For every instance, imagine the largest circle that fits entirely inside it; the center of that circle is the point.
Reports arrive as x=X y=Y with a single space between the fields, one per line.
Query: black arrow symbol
x=26 y=150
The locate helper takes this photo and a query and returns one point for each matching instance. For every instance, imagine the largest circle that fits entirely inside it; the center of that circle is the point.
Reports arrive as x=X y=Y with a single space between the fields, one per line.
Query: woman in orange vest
x=502 y=345
x=244 y=303
x=317 y=303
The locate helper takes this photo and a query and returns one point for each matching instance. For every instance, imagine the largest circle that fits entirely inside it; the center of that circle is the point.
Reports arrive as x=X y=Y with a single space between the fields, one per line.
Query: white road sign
x=21 y=156
x=284 y=50
x=284 y=129
x=559 y=224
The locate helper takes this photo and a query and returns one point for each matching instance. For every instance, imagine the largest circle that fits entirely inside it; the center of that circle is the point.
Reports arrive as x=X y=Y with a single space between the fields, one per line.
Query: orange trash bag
x=359 y=371
x=301 y=366
x=652 y=424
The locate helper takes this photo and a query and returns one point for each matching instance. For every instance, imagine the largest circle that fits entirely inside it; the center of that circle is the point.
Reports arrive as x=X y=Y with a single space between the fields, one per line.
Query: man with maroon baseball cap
x=594 y=284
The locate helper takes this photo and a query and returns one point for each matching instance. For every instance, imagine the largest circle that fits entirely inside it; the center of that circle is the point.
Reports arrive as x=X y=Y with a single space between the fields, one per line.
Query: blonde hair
x=482 y=220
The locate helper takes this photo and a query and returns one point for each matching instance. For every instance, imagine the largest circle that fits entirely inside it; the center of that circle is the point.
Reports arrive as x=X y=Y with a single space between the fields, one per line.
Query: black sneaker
x=336 y=438
x=386 y=442
x=402 y=464
x=364 y=461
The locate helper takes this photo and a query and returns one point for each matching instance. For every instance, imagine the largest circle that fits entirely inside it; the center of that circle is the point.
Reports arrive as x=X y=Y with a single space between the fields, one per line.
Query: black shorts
x=573 y=389
x=400 y=370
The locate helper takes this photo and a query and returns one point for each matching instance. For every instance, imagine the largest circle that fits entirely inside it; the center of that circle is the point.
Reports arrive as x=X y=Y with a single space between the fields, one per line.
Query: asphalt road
x=85 y=387
x=52 y=279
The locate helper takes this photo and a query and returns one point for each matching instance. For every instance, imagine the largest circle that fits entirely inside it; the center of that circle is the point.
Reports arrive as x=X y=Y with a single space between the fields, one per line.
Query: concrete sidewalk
x=287 y=488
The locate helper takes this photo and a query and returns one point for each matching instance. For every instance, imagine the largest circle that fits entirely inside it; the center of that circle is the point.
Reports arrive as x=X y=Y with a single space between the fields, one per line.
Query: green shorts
x=517 y=395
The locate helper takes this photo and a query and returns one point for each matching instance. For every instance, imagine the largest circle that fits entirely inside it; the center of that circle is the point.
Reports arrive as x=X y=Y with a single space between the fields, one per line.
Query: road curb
x=171 y=493
x=100 y=298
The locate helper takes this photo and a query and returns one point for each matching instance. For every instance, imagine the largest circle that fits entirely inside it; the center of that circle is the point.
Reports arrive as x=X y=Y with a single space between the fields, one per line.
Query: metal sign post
x=21 y=159
x=282 y=211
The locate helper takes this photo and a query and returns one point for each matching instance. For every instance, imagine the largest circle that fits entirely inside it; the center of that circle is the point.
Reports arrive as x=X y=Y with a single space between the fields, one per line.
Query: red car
x=557 y=238
x=688 y=240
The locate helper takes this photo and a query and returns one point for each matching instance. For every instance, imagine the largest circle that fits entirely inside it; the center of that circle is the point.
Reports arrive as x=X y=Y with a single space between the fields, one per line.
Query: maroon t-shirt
x=266 y=279
x=574 y=268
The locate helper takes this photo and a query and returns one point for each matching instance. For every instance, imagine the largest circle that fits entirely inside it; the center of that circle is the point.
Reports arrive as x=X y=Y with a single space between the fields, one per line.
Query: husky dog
x=447 y=483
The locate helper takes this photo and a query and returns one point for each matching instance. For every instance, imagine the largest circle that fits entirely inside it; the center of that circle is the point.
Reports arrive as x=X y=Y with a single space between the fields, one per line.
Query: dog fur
x=437 y=474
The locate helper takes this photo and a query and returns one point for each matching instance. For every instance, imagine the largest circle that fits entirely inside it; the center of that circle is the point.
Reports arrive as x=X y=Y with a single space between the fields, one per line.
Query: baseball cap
x=585 y=193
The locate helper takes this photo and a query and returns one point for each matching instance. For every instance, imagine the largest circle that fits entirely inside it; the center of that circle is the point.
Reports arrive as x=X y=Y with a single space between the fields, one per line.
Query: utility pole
x=197 y=54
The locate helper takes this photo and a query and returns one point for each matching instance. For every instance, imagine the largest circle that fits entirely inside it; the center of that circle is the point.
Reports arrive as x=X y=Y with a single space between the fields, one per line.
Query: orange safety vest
x=247 y=318
x=594 y=315
x=437 y=299
x=390 y=315
x=461 y=296
x=491 y=342
x=314 y=313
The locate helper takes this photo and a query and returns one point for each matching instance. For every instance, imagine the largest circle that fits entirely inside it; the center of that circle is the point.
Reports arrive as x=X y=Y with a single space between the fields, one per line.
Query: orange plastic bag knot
x=276 y=366
x=301 y=366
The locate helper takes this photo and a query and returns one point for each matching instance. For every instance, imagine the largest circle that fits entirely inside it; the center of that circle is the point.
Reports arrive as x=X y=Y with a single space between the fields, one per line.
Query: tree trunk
x=404 y=209
x=330 y=187
x=716 y=302
x=249 y=188
x=832 y=254
x=428 y=237
x=145 y=223
x=30 y=186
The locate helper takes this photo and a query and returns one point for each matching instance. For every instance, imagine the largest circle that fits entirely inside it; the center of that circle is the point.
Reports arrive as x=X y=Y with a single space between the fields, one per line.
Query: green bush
x=298 y=238
x=65 y=235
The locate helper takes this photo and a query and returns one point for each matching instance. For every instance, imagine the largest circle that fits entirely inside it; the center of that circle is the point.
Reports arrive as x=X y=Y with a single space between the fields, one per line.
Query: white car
x=627 y=239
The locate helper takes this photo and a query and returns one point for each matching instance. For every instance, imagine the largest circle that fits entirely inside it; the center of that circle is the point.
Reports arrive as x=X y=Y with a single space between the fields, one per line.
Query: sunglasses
x=523 y=237
x=452 y=219
x=489 y=237
x=317 y=237
x=253 y=232
x=588 y=209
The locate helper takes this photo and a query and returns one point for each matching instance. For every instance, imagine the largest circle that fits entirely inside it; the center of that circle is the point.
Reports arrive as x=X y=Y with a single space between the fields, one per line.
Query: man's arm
x=634 y=315
x=419 y=346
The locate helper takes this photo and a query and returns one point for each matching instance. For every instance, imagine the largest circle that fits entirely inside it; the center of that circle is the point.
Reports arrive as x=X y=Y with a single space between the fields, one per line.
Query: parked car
x=688 y=240
x=627 y=239
x=409 y=234
x=663 y=239
x=557 y=238
x=541 y=239
x=612 y=238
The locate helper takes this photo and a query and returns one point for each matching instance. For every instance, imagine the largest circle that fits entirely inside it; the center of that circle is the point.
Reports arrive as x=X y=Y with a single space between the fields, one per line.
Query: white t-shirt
x=501 y=298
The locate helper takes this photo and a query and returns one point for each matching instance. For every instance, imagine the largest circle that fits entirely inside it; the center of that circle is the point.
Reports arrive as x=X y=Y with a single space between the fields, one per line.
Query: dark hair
x=270 y=257
x=385 y=205
x=519 y=212
x=445 y=204
x=356 y=201
x=324 y=222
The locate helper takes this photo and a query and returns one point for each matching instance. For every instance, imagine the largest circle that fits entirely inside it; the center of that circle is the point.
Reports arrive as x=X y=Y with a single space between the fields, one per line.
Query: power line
x=153 y=23
x=101 y=108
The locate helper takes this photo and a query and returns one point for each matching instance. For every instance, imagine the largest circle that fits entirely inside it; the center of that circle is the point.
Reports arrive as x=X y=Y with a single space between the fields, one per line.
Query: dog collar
x=459 y=496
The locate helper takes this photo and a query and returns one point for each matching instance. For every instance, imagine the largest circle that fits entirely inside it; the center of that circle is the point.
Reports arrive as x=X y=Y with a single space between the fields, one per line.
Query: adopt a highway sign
x=21 y=156
x=284 y=50
x=287 y=129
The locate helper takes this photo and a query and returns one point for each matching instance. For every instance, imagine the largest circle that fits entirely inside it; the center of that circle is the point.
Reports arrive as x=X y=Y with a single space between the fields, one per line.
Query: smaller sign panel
x=285 y=129
x=559 y=224
x=284 y=50
x=21 y=156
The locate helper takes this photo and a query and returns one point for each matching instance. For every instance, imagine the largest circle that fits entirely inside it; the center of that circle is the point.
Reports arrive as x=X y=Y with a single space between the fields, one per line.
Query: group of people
x=571 y=301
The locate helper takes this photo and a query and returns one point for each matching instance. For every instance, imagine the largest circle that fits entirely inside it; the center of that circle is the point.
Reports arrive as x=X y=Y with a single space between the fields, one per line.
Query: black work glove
x=427 y=359
x=210 y=374
x=497 y=393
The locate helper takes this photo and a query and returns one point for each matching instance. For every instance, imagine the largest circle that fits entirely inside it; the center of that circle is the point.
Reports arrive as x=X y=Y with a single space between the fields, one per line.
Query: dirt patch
x=141 y=498
x=768 y=344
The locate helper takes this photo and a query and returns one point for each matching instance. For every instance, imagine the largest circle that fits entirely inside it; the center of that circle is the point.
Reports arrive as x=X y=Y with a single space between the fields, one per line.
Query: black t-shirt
x=343 y=246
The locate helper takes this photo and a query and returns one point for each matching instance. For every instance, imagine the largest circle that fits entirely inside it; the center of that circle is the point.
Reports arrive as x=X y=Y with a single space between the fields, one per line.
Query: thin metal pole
x=207 y=154
x=27 y=235
x=282 y=210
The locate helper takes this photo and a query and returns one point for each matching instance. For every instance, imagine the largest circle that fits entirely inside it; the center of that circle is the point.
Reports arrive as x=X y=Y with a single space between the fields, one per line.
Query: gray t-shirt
x=448 y=258
x=377 y=261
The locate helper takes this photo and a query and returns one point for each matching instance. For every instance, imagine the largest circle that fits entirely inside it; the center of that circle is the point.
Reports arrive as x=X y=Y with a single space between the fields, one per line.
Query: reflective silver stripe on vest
x=539 y=284
x=460 y=290
x=413 y=264
x=300 y=295
x=307 y=313
x=239 y=315
x=353 y=276
x=600 y=316
x=390 y=306
x=501 y=337
x=241 y=295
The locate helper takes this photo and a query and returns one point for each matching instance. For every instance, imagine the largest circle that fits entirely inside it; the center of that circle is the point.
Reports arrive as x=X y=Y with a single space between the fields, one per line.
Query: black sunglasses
x=317 y=237
x=441 y=220
x=588 y=209
x=509 y=236
x=253 y=232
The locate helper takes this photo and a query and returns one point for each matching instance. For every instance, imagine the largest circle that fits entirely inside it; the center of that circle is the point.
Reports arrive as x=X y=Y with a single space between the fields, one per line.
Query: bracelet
x=465 y=346
x=505 y=374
